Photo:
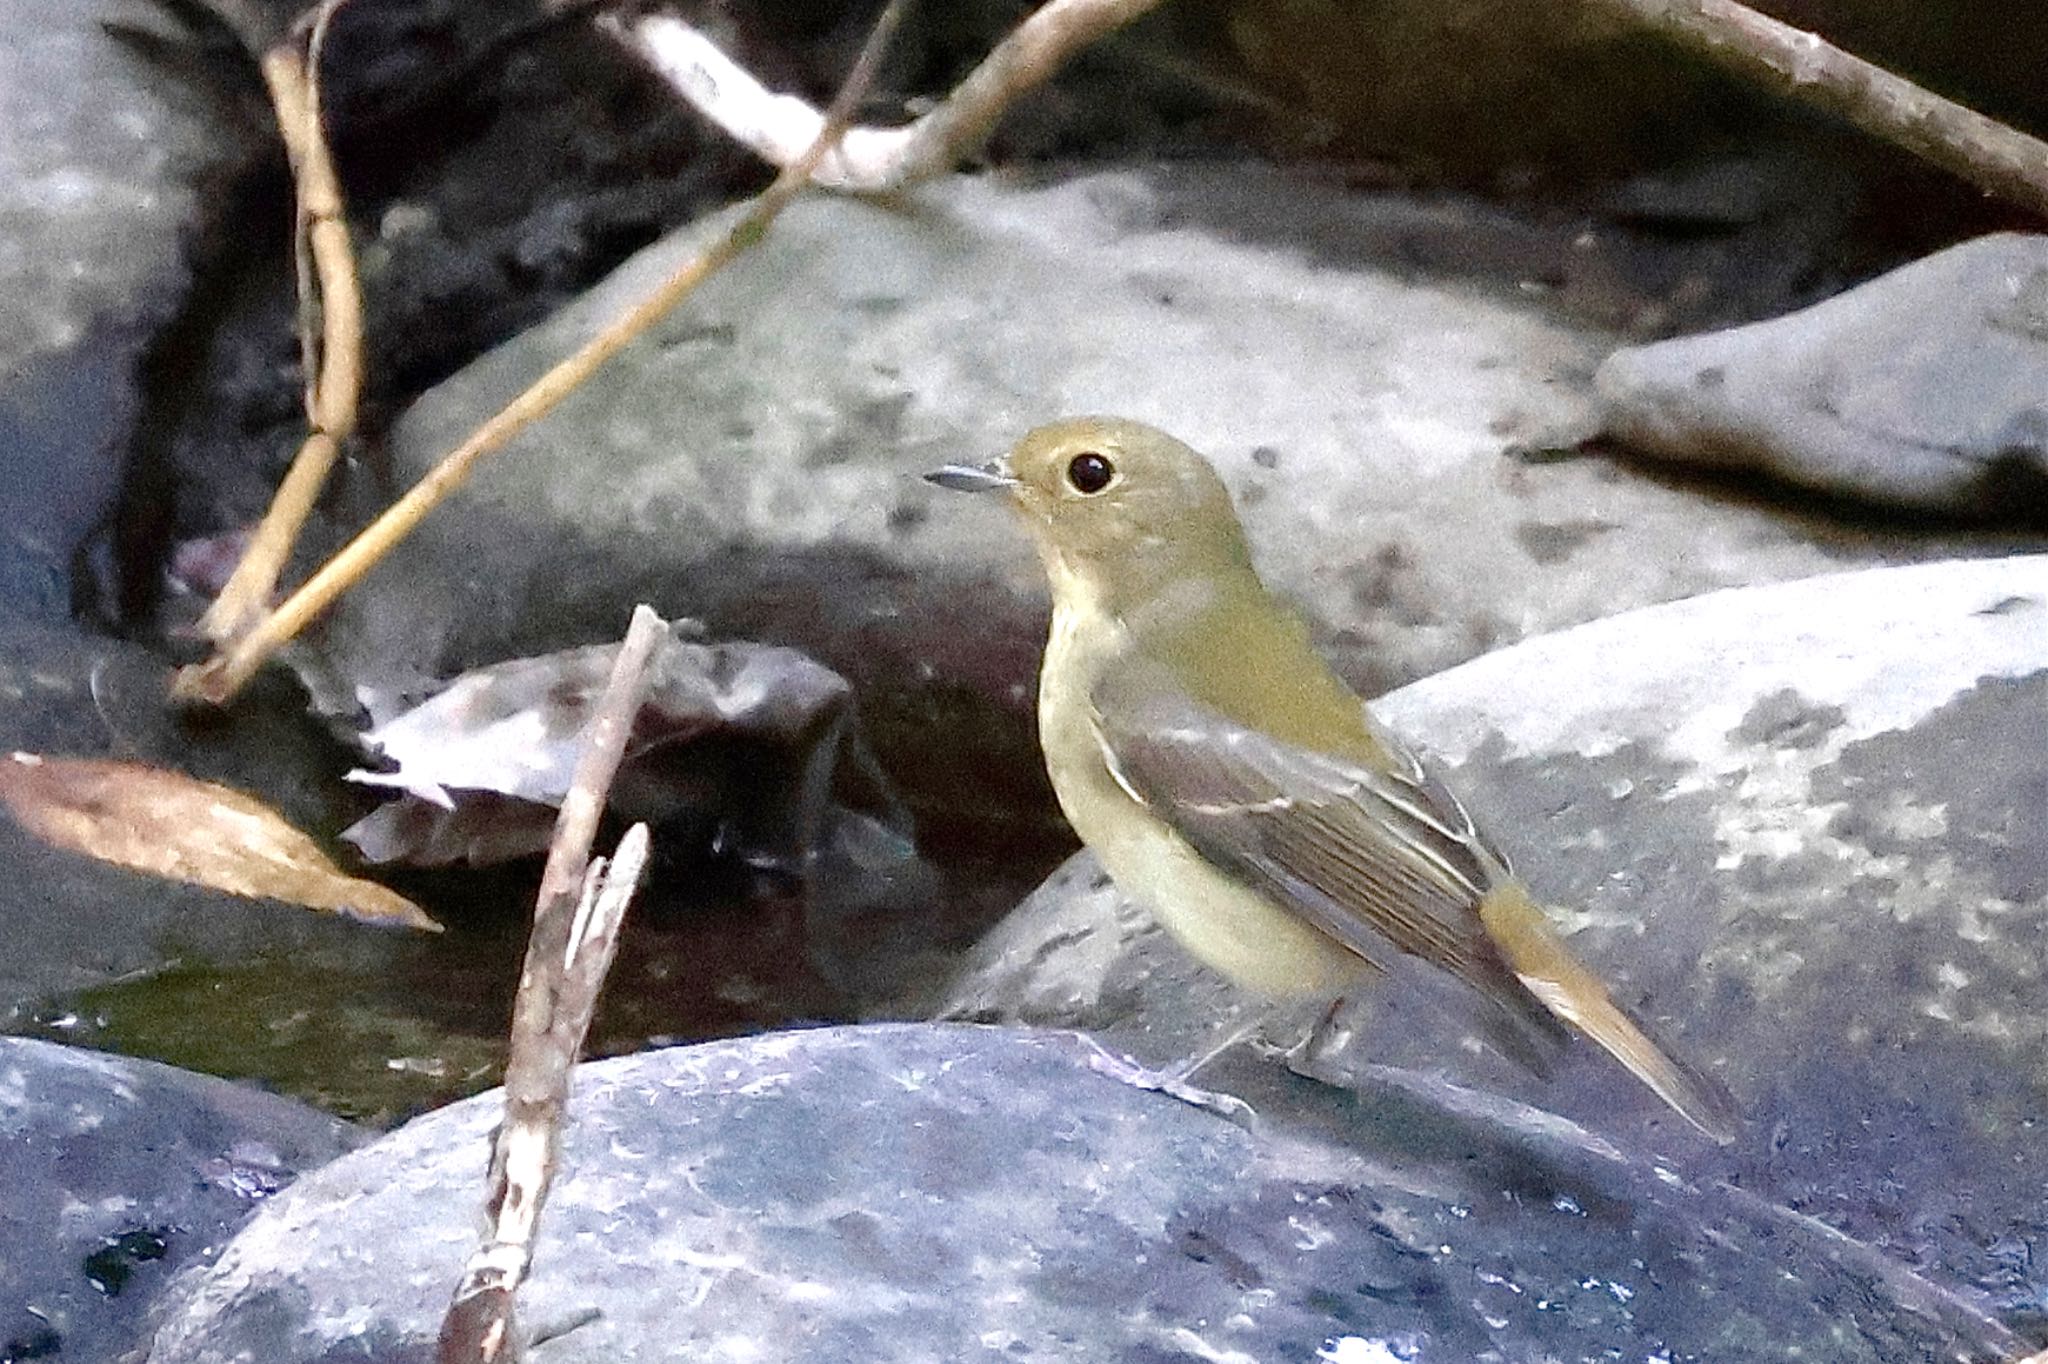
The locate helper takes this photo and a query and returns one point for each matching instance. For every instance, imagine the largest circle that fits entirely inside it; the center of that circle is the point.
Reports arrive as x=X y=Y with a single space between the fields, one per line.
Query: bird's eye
x=1090 y=472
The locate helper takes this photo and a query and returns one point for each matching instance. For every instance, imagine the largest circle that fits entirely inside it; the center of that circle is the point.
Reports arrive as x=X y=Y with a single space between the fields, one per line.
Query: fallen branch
x=330 y=323
x=871 y=160
x=1996 y=158
x=576 y=921
x=220 y=678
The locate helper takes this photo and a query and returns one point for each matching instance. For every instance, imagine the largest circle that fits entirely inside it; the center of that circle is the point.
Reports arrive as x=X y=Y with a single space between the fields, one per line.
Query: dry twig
x=576 y=922
x=330 y=323
x=872 y=160
x=216 y=681
x=1996 y=158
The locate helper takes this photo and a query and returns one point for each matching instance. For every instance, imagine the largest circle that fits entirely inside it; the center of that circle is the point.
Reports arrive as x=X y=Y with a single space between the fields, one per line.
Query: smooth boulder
x=920 y=1192
x=1923 y=388
x=118 y=1173
x=116 y=154
x=1798 y=828
x=1361 y=367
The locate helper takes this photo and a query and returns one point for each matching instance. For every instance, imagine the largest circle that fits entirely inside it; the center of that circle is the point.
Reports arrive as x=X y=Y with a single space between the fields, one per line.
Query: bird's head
x=1117 y=508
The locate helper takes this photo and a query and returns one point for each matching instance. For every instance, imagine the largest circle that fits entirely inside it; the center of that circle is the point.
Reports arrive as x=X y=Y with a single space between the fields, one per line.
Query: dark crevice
x=135 y=545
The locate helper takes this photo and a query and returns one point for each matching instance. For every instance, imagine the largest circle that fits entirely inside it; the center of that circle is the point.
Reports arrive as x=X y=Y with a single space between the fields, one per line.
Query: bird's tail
x=1518 y=927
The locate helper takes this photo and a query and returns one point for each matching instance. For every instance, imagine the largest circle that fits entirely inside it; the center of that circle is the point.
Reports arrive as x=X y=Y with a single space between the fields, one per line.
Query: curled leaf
x=759 y=741
x=183 y=829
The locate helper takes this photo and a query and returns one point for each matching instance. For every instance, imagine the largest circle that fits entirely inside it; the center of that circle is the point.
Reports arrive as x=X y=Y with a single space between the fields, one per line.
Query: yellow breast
x=1258 y=944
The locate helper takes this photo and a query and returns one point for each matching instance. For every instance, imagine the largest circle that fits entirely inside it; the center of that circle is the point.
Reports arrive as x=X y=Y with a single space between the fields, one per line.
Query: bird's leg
x=1234 y=1036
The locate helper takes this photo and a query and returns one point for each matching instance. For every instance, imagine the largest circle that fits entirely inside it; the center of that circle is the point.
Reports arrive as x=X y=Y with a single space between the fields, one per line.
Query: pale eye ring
x=1090 y=473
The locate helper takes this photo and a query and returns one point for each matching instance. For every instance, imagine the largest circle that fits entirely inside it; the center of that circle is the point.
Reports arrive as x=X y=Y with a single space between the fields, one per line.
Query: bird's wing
x=1376 y=856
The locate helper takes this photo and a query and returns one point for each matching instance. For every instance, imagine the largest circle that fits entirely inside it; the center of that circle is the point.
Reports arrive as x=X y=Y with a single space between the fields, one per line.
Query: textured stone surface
x=1800 y=828
x=118 y=1173
x=109 y=164
x=1924 y=387
x=925 y=1193
x=1357 y=366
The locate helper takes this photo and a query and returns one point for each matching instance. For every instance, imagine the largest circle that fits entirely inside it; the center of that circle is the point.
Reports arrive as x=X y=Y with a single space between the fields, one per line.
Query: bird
x=1234 y=785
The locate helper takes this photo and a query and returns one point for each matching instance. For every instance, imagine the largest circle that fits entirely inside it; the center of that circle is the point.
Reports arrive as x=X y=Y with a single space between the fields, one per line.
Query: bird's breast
x=1258 y=944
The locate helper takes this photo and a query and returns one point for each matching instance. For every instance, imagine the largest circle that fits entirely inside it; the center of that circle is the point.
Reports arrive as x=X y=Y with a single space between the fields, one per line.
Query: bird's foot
x=1171 y=1081
x=1315 y=1056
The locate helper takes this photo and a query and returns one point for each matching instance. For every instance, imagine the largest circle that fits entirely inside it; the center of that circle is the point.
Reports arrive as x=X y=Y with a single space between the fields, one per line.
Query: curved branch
x=872 y=160
x=1991 y=155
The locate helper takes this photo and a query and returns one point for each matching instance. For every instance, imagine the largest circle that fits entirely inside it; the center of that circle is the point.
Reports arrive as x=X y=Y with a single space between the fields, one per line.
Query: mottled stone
x=1924 y=387
x=1798 y=828
x=110 y=163
x=1360 y=368
x=922 y=1192
x=118 y=1173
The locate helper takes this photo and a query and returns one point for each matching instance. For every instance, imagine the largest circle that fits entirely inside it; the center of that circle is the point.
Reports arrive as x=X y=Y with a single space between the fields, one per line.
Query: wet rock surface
x=1923 y=388
x=1796 y=827
x=922 y=1192
x=1359 y=368
x=118 y=1174
x=131 y=962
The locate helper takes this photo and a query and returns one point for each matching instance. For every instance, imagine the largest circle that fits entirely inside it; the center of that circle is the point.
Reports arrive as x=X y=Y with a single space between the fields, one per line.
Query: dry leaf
x=184 y=829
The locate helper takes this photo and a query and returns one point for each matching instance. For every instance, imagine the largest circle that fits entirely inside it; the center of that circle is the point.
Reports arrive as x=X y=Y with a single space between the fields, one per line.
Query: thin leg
x=1236 y=1036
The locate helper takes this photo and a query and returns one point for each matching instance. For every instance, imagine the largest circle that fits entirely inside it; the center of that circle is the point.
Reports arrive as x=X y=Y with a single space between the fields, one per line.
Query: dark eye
x=1090 y=473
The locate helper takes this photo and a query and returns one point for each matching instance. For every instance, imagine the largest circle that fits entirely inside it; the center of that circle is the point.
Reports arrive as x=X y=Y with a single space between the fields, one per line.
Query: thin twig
x=1996 y=158
x=481 y=1325
x=576 y=920
x=872 y=160
x=330 y=324
x=217 y=680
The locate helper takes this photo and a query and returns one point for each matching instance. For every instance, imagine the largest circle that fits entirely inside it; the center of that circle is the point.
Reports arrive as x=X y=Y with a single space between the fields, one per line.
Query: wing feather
x=1380 y=856
x=1378 y=859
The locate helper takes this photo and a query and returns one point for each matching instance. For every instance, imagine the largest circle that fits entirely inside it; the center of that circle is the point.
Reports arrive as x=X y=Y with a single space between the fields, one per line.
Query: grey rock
x=754 y=461
x=1923 y=388
x=1799 y=828
x=921 y=1192
x=118 y=1173
x=109 y=166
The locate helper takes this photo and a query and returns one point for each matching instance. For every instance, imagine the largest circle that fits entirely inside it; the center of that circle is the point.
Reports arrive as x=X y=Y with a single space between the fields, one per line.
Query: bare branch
x=216 y=681
x=330 y=323
x=576 y=920
x=1996 y=158
x=481 y=1326
x=872 y=160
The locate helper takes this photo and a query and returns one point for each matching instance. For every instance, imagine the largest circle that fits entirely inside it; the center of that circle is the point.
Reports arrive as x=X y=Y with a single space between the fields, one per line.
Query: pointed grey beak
x=969 y=478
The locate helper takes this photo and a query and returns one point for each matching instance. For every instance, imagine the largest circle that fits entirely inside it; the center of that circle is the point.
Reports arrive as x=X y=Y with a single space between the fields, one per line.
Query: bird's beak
x=995 y=476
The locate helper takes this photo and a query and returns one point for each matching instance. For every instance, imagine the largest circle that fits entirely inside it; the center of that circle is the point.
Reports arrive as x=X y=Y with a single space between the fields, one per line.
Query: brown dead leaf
x=178 y=827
